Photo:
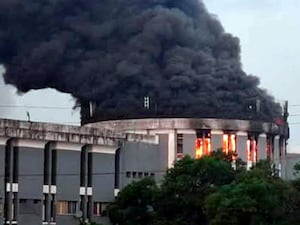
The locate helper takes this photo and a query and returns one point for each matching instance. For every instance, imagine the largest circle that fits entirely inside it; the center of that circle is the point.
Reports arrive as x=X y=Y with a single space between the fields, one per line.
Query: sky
x=269 y=35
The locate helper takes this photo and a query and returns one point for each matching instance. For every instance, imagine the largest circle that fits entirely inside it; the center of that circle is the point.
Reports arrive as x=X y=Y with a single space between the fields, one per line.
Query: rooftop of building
x=67 y=133
x=193 y=123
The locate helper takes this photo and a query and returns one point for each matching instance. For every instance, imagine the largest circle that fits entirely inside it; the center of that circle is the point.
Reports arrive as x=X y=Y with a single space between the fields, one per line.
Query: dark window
x=140 y=175
x=36 y=201
x=146 y=174
x=23 y=201
x=128 y=174
x=179 y=143
x=134 y=174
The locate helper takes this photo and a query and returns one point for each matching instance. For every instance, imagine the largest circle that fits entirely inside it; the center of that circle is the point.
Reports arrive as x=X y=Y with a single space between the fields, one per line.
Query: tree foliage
x=187 y=184
x=210 y=191
x=253 y=200
x=134 y=204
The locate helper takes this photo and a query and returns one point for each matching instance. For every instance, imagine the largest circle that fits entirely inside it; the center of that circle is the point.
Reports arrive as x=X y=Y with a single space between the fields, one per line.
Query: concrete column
x=172 y=143
x=262 y=147
x=189 y=144
x=283 y=160
x=277 y=150
x=216 y=140
x=242 y=138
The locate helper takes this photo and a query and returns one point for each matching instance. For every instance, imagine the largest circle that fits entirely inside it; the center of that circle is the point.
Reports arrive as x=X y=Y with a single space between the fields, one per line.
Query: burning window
x=229 y=143
x=251 y=150
x=203 y=144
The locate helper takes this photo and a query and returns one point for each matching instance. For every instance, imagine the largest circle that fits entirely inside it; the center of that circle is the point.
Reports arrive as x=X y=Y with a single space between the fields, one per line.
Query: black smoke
x=116 y=52
x=6 y=98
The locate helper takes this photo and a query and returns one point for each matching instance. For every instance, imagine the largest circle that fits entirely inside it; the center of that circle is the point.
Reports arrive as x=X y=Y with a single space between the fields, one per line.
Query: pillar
x=216 y=139
x=242 y=138
x=262 y=147
x=172 y=143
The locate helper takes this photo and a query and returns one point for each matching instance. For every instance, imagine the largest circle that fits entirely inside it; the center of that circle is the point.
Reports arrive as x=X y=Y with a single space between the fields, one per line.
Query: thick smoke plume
x=116 y=52
x=6 y=98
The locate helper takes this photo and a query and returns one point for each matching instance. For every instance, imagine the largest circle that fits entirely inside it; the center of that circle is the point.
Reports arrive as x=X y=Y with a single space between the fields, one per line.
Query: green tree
x=185 y=187
x=257 y=197
x=133 y=205
x=296 y=185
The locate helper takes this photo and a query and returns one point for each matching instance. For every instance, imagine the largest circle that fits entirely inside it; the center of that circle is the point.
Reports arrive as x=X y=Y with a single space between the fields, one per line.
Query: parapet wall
x=194 y=124
x=67 y=133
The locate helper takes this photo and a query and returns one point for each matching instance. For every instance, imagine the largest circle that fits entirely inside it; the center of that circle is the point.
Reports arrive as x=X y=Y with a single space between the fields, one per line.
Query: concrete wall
x=189 y=144
x=103 y=177
x=216 y=141
x=30 y=185
x=66 y=220
x=31 y=167
x=242 y=146
x=288 y=171
x=141 y=158
x=103 y=169
x=277 y=151
x=68 y=175
x=163 y=147
x=30 y=212
x=68 y=181
x=262 y=147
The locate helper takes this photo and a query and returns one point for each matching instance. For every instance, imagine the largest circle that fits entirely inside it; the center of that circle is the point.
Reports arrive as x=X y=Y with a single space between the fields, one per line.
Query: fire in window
x=229 y=143
x=203 y=144
x=251 y=150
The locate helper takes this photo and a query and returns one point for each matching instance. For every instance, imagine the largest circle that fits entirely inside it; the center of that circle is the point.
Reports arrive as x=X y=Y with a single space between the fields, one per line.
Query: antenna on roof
x=258 y=105
x=286 y=111
x=92 y=108
x=146 y=102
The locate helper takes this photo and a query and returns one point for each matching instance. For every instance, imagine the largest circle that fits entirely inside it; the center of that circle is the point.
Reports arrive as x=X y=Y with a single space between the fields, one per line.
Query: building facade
x=250 y=140
x=57 y=174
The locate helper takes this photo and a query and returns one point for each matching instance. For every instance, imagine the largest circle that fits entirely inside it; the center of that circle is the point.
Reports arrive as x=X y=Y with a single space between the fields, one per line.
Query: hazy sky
x=269 y=34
